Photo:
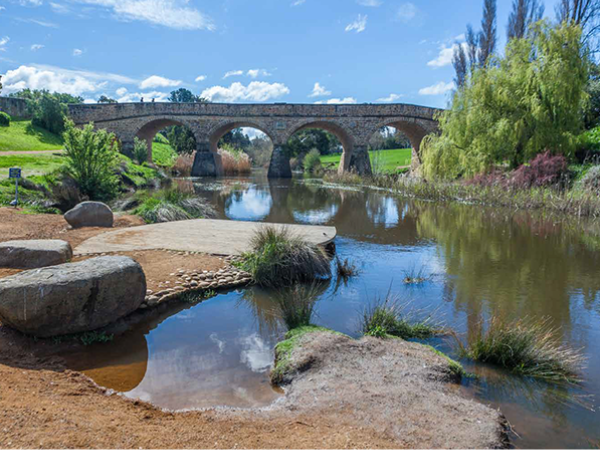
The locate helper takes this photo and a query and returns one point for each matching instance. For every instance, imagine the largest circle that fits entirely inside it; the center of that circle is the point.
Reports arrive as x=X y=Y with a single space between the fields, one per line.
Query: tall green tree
x=522 y=15
x=487 y=35
x=532 y=100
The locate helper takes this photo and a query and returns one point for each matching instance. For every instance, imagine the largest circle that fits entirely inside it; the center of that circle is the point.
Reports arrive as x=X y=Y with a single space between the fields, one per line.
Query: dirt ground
x=158 y=265
x=356 y=394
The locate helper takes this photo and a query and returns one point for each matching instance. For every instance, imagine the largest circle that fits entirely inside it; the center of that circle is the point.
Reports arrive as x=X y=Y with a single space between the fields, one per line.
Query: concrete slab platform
x=216 y=237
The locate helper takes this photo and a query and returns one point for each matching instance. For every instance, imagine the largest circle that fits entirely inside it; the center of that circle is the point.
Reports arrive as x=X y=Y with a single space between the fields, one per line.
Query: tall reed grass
x=235 y=162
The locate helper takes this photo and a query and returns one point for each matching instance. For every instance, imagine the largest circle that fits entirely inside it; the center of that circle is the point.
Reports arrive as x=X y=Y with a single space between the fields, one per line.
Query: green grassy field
x=385 y=160
x=30 y=165
x=21 y=136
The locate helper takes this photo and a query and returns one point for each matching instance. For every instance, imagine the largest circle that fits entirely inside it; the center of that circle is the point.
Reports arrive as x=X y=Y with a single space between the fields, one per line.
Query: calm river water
x=481 y=262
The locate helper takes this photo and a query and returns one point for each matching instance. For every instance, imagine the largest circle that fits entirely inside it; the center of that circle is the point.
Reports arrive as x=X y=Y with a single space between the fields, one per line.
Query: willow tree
x=531 y=100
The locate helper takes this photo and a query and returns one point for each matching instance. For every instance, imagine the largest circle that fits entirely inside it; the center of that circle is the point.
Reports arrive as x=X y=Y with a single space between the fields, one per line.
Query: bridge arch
x=349 y=159
x=222 y=129
x=149 y=129
x=414 y=129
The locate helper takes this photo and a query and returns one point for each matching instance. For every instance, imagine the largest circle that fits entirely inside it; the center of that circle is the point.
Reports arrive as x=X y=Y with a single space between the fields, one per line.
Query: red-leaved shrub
x=545 y=170
x=493 y=178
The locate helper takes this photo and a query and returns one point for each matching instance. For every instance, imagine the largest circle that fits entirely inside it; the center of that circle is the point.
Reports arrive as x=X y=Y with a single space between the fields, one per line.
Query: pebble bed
x=197 y=281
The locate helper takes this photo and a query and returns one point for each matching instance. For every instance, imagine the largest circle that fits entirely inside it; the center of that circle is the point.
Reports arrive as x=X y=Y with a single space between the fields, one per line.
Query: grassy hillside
x=21 y=136
x=162 y=153
x=387 y=160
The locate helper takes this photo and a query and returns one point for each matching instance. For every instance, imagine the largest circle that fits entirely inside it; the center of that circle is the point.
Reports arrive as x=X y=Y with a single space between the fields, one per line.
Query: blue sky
x=295 y=51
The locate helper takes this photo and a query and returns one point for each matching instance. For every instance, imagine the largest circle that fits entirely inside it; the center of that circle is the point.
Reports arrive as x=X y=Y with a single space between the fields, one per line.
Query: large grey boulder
x=72 y=298
x=34 y=254
x=90 y=214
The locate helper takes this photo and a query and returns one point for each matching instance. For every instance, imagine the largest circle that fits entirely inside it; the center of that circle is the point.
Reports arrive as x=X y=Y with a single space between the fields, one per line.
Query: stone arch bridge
x=354 y=125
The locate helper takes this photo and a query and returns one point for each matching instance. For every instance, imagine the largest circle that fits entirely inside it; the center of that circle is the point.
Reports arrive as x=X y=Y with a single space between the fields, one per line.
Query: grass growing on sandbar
x=278 y=258
x=526 y=347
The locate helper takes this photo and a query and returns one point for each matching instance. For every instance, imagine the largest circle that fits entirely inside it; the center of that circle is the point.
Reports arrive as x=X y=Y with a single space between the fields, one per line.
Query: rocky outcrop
x=34 y=254
x=72 y=298
x=90 y=214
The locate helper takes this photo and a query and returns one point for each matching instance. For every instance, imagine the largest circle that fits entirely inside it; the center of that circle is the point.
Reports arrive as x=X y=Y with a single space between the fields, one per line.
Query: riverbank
x=575 y=201
x=348 y=397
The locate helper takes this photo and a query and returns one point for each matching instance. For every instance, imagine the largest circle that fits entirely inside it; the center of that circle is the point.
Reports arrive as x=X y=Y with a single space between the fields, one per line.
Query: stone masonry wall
x=14 y=107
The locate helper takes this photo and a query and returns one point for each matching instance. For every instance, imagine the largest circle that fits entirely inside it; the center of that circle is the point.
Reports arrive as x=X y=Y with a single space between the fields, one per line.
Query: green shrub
x=525 y=347
x=91 y=159
x=312 y=161
x=386 y=317
x=48 y=112
x=140 y=151
x=4 y=119
x=278 y=258
x=172 y=205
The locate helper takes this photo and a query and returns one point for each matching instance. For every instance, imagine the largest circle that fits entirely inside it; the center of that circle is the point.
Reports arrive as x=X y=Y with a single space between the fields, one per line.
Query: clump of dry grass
x=280 y=258
x=184 y=164
x=526 y=347
x=235 y=162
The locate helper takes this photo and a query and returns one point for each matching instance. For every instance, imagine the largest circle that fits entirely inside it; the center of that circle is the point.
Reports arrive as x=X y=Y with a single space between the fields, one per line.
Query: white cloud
x=200 y=78
x=30 y=2
x=255 y=73
x=319 y=91
x=391 y=98
x=2 y=8
x=36 y=47
x=359 y=25
x=77 y=52
x=406 y=12
x=130 y=97
x=298 y=2
x=371 y=3
x=233 y=73
x=59 y=9
x=155 y=81
x=3 y=42
x=42 y=23
x=437 y=89
x=168 y=13
x=444 y=58
x=338 y=101
x=121 y=91
x=36 y=78
x=256 y=91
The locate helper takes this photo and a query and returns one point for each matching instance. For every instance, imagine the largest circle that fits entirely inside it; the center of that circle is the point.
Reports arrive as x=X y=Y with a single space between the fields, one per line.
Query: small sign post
x=15 y=173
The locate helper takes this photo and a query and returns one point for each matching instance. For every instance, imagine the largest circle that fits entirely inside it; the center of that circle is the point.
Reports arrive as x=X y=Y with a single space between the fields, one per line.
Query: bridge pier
x=357 y=160
x=280 y=164
x=207 y=164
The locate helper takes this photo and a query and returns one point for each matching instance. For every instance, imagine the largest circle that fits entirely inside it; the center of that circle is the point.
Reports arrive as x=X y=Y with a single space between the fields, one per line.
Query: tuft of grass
x=171 y=205
x=416 y=275
x=280 y=258
x=235 y=161
x=387 y=317
x=296 y=306
x=526 y=347
x=345 y=269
